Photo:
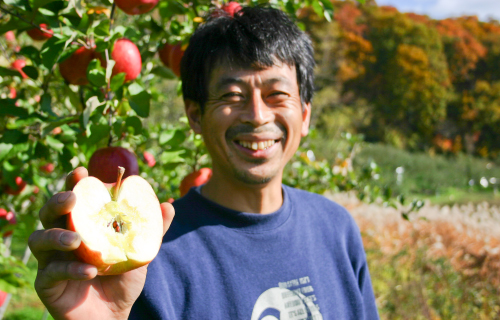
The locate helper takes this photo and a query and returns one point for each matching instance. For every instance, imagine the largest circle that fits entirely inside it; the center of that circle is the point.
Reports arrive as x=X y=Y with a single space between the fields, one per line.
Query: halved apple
x=121 y=227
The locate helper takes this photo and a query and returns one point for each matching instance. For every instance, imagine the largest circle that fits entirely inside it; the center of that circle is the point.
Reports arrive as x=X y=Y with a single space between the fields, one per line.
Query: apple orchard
x=79 y=81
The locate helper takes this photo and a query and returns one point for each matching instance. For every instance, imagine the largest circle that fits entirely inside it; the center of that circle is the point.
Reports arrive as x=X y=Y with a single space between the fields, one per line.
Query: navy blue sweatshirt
x=304 y=261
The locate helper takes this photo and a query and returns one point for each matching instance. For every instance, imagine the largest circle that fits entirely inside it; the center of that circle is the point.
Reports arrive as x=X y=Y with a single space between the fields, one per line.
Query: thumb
x=168 y=213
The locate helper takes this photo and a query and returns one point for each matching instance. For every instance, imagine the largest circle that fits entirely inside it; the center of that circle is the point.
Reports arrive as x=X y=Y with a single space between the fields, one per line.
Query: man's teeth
x=261 y=145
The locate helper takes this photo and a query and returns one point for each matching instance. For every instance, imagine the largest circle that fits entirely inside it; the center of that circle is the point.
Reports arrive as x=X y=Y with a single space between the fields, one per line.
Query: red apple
x=170 y=200
x=194 y=179
x=127 y=59
x=56 y=130
x=74 y=69
x=164 y=54
x=20 y=185
x=133 y=7
x=13 y=93
x=9 y=217
x=103 y=163
x=231 y=8
x=18 y=65
x=3 y=296
x=121 y=228
x=10 y=36
x=149 y=159
x=171 y=56
x=47 y=168
x=39 y=35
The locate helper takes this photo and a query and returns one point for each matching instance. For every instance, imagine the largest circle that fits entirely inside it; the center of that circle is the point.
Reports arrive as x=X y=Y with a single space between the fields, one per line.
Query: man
x=243 y=246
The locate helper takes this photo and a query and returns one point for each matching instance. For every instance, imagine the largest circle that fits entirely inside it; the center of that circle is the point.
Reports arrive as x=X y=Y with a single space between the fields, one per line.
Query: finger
x=168 y=213
x=44 y=244
x=75 y=176
x=58 y=271
x=58 y=206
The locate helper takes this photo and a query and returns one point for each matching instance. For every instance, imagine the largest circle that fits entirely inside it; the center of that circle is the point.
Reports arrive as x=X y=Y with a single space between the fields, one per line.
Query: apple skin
x=74 y=69
x=85 y=254
x=47 y=168
x=171 y=56
x=231 y=8
x=10 y=217
x=38 y=35
x=194 y=179
x=127 y=59
x=18 y=65
x=13 y=93
x=104 y=162
x=149 y=159
x=10 y=36
x=20 y=185
x=133 y=7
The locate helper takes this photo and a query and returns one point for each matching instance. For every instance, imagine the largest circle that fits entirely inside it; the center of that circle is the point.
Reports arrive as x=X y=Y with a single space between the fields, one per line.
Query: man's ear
x=306 y=118
x=193 y=113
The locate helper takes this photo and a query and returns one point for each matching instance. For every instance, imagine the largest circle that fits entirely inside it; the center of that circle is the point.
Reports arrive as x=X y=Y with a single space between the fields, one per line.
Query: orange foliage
x=358 y=52
x=347 y=17
x=466 y=49
x=418 y=18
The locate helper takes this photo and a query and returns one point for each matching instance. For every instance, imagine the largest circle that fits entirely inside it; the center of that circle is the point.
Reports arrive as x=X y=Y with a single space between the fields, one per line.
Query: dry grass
x=443 y=264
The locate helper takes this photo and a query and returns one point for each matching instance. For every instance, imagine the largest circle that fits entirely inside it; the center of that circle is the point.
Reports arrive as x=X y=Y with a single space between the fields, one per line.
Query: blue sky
x=440 y=9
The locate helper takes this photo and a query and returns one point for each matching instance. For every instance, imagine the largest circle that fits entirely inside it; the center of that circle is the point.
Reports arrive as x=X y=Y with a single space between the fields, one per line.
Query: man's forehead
x=224 y=74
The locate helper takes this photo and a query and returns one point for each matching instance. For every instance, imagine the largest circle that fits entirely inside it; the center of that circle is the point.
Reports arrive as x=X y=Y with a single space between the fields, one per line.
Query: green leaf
x=5 y=148
x=9 y=109
x=51 y=51
x=117 y=81
x=40 y=3
x=163 y=72
x=139 y=100
x=166 y=136
x=46 y=103
x=54 y=143
x=109 y=68
x=22 y=4
x=91 y=104
x=172 y=156
x=8 y=72
x=328 y=9
x=135 y=124
x=31 y=71
x=102 y=28
x=32 y=53
x=98 y=132
x=95 y=73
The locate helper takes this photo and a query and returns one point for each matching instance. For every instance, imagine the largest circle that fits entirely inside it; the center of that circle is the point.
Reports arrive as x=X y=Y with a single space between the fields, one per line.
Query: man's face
x=252 y=122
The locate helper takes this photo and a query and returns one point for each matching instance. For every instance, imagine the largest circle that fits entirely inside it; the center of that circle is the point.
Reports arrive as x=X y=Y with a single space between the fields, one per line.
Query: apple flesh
x=133 y=7
x=127 y=59
x=103 y=163
x=194 y=179
x=121 y=229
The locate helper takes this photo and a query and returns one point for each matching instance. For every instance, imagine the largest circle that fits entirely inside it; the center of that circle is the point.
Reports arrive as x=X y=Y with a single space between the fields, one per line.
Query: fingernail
x=67 y=238
x=63 y=197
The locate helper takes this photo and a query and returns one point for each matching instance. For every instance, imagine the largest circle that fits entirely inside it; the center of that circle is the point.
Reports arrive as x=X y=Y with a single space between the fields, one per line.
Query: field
x=442 y=264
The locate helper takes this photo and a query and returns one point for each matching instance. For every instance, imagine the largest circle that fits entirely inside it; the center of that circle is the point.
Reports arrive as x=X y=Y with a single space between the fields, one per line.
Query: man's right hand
x=71 y=289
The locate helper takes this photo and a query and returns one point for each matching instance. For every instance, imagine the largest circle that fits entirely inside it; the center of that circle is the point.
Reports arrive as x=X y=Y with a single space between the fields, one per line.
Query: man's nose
x=257 y=112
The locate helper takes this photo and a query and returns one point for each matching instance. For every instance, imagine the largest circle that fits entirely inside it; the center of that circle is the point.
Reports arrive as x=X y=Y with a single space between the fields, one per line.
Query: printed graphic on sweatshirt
x=291 y=300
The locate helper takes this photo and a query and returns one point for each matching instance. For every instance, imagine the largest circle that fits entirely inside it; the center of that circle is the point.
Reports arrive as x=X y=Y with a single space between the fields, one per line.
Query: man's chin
x=253 y=179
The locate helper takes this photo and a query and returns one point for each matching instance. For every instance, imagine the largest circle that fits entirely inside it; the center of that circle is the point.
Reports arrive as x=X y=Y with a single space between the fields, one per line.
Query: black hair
x=256 y=37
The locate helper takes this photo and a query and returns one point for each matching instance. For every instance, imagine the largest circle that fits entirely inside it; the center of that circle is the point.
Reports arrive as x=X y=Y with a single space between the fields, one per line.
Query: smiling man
x=243 y=246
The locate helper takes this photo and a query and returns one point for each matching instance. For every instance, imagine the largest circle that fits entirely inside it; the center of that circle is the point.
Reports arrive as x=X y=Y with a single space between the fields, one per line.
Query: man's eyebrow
x=232 y=80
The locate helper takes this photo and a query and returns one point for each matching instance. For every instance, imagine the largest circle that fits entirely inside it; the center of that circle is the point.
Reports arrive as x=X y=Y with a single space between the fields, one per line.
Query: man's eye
x=233 y=96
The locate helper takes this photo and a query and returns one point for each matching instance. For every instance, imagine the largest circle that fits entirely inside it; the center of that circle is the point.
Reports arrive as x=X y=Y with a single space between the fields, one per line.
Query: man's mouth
x=256 y=145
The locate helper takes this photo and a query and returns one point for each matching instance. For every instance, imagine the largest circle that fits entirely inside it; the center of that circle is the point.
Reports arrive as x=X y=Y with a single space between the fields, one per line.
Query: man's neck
x=264 y=198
